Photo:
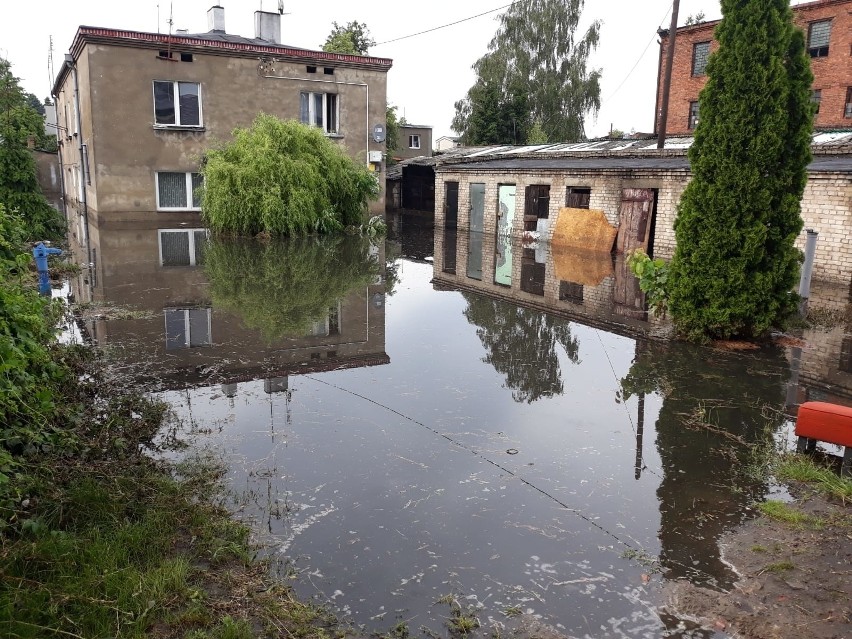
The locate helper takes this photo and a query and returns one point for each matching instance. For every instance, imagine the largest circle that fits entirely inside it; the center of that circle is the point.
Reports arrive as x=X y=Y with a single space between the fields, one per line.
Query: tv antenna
x=50 y=74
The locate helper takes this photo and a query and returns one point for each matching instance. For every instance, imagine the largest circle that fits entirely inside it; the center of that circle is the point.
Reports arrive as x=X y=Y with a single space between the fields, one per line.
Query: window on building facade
x=537 y=201
x=178 y=191
x=847 y=112
x=177 y=103
x=693 y=115
x=319 y=110
x=816 y=98
x=700 y=53
x=187 y=328
x=182 y=247
x=819 y=33
x=413 y=141
x=577 y=197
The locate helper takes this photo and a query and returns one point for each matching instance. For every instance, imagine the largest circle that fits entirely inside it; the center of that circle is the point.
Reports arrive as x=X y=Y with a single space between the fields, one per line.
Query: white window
x=413 y=141
x=178 y=191
x=177 y=103
x=187 y=328
x=319 y=110
x=182 y=247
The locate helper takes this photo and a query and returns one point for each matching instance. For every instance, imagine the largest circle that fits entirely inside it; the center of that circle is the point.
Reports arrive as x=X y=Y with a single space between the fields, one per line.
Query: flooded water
x=451 y=414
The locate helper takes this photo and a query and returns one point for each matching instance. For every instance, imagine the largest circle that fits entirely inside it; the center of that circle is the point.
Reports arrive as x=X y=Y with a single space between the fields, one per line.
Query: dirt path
x=796 y=580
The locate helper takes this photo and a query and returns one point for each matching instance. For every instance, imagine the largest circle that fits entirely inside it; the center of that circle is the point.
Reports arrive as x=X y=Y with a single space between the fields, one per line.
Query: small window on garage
x=577 y=197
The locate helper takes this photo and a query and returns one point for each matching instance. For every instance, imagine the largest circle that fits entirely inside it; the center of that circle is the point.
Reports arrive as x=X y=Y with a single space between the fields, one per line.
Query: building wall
x=126 y=150
x=404 y=151
x=826 y=206
x=832 y=74
x=606 y=187
x=446 y=143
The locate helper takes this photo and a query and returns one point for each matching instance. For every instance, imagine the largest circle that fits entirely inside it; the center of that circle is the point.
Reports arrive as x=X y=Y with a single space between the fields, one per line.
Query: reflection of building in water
x=592 y=288
x=182 y=324
x=822 y=365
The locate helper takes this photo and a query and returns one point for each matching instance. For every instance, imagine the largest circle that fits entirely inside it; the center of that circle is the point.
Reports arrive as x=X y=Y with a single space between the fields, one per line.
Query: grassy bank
x=97 y=537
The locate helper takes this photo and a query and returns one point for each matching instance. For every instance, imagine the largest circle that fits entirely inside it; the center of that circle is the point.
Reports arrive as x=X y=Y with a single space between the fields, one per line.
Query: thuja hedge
x=735 y=262
x=283 y=178
x=281 y=286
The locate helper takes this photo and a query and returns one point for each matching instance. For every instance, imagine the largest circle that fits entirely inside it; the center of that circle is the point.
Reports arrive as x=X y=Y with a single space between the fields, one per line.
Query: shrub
x=283 y=178
x=653 y=278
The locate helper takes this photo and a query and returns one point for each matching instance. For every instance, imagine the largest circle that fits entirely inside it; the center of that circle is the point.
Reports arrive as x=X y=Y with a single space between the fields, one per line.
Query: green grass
x=780 y=511
x=803 y=468
x=779 y=567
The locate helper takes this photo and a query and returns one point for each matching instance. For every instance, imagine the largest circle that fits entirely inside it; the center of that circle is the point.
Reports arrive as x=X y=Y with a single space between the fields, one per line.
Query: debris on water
x=512 y=451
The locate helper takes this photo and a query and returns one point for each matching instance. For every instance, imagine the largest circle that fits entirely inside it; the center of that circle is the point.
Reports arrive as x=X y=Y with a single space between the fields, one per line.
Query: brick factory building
x=828 y=30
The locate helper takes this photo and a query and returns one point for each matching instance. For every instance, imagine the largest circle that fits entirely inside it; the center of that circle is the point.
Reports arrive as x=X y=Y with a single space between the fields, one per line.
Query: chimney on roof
x=216 y=18
x=267 y=26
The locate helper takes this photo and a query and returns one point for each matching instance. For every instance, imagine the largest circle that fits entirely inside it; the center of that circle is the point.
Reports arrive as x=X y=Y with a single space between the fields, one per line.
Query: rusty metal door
x=637 y=209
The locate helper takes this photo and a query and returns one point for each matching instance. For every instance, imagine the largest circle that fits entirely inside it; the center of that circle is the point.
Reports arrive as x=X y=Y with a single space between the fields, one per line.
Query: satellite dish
x=379 y=133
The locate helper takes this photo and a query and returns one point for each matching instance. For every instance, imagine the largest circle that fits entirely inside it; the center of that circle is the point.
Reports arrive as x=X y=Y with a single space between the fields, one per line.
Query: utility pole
x=667 y=80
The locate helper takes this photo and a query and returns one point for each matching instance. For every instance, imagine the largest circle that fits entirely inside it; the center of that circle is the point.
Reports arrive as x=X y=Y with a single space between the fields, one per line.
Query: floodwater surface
x=401 y=431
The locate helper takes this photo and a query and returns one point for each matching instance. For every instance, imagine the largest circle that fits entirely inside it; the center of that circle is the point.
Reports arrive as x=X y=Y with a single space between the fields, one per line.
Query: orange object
x=825 y=422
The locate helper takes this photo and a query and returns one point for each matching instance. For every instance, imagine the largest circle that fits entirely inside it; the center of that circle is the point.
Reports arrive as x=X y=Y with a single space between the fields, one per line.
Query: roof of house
x=415 y=126
x=216 y=42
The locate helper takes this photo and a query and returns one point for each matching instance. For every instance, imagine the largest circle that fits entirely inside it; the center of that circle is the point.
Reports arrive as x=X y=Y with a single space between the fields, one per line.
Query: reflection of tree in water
x=718 y=414
x=521 y=344
x=281 y=286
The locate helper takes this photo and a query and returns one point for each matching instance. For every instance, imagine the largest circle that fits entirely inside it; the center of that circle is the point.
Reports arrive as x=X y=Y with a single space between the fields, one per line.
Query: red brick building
x=828 y=29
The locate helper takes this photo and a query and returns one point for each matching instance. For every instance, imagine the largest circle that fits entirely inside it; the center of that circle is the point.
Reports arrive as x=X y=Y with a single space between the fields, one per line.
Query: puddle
x=446 y=415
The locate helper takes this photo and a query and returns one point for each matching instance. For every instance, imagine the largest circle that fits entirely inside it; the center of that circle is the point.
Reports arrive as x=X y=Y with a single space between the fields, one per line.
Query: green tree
x=536 y=134
x=392 y=135
x=35 y=103
x=19 y=188
x=535 y=70
x=283 y=178
x=353 y=38
x=735 y=262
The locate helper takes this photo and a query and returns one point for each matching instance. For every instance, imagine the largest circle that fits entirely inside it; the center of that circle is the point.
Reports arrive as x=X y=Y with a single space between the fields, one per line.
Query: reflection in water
x=288 y=287
x=520 y=343
x=719 y=412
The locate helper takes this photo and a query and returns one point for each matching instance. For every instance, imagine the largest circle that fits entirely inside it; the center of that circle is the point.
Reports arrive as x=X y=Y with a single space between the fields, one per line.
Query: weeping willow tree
x=283 y=178
x=536 y=70
x=520 y=343
x=282 y=286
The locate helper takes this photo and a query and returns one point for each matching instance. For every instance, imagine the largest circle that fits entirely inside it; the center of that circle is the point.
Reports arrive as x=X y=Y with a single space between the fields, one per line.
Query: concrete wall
x=832 y=74
x=404 y=151
x=126 y=150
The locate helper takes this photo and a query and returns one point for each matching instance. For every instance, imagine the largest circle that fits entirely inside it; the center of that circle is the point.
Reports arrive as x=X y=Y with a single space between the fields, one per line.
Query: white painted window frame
x=187 y=329
x=312 y=110
x=176 y=94
x=189 y=206
x=414 y=141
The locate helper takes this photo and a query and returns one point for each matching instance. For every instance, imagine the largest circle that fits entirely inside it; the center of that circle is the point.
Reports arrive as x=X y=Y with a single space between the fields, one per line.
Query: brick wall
x=826 y=206
x=832 y=74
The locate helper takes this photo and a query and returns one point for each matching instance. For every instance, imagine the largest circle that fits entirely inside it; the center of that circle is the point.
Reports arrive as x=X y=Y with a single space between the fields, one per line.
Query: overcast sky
x=430 y=72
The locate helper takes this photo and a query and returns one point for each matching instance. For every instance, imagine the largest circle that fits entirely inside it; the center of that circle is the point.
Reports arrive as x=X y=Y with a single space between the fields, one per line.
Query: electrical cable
x=641 y=57
x=444 y=26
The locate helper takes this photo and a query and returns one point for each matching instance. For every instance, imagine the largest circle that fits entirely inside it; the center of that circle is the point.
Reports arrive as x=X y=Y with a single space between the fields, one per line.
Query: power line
x=629 y=73
x=444 y=26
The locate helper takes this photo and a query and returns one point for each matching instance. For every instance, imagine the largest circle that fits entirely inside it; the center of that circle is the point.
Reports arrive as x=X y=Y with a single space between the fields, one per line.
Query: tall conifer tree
x=735 y=262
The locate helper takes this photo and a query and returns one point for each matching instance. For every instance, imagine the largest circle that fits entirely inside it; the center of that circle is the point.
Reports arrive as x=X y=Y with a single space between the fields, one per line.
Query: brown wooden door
x=628 y=299
x=637 y=209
